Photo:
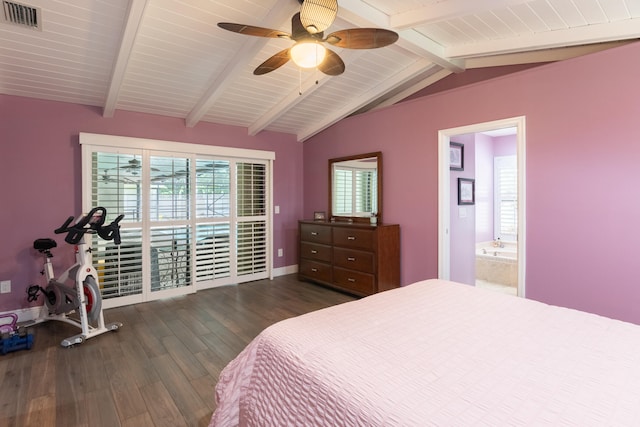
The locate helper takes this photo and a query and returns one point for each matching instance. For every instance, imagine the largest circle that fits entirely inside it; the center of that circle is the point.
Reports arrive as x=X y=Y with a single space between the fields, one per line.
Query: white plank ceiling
x=168 y=57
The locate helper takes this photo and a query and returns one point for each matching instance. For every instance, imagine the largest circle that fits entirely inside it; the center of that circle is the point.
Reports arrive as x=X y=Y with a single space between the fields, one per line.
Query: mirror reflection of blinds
x=506 y=196
x=353 y=191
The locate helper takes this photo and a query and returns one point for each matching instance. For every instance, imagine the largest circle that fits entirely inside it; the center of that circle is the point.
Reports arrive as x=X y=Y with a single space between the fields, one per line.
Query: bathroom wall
x=484 y=188
x=462 y=221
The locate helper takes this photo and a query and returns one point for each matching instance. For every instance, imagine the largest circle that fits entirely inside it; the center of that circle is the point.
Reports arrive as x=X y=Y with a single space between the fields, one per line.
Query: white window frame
x=91 y=142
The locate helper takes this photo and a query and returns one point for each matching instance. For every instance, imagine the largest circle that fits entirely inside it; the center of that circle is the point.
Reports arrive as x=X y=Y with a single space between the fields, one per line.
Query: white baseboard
x=32 y=313
x=282 y=271
x=26 y=314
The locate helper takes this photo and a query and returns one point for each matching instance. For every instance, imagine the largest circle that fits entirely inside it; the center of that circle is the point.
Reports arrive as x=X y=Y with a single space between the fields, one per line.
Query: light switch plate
x=5 y=286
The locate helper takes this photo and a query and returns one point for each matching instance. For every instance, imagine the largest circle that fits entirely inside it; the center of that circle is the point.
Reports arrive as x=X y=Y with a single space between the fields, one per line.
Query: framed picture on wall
x=466 y=191
x=456 y=156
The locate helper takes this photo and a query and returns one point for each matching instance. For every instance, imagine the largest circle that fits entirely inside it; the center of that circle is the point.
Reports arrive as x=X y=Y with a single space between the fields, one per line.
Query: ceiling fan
x=133 y=166
x=106 y=177
x=307 y=30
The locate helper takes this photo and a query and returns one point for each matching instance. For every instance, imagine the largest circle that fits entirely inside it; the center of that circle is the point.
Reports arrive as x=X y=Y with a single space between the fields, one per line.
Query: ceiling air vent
x=22 y=15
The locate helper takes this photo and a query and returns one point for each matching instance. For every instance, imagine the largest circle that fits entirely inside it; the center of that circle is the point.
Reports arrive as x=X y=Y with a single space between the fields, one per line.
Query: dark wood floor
x=160 y=369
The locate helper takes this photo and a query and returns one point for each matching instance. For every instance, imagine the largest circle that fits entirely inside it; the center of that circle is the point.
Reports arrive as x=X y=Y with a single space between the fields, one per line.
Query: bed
x=436 y=353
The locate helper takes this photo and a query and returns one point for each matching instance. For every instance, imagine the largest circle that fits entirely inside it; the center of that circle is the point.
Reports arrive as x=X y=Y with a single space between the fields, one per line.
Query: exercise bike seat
x=44 y=244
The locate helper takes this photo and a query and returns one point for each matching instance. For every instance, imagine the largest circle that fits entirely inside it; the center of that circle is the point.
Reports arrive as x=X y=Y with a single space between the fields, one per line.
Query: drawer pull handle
x=351 y=237
x=313 y=251
x=315 y=270
x=351 y=258
x=351 y=280
x=314 y=233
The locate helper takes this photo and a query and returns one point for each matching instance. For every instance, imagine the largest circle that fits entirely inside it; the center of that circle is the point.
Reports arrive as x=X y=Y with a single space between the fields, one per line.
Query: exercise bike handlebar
x=91 y=223
x=64 y=227
x=111 y=231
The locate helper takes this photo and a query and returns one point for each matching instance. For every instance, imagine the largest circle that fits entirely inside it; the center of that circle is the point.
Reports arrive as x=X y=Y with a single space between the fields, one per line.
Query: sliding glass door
x=192 y=221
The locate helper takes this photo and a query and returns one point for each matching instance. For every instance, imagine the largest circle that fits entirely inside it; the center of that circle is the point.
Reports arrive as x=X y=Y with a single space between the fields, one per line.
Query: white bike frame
x=78 y=272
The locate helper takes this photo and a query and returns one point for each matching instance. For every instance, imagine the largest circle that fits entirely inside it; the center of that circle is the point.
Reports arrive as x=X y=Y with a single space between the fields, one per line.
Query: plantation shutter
x=342 y=191
x=213 y=210
x=115 y=182
x=251 y=233
x=346 y=201
x=506 y=197
x=191 y=220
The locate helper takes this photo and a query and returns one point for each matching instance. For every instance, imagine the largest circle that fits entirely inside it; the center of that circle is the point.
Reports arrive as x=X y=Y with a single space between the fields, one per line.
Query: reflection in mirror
x=355 y=187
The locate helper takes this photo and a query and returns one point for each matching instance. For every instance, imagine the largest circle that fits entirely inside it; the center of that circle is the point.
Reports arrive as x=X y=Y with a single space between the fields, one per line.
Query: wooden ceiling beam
x=135 y=13
x=280 y=13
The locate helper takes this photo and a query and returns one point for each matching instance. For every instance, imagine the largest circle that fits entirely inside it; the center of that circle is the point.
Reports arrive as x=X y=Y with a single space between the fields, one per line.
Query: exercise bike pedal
x=114 y=326
x=71 y=341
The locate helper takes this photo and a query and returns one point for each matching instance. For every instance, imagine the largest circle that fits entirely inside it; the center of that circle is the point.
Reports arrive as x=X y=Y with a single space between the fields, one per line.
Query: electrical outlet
x=280 y=252
x=5 y=286
x=276 y=209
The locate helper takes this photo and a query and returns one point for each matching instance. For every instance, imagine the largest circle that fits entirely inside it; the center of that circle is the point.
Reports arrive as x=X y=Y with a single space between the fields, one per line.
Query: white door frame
x=444 y=203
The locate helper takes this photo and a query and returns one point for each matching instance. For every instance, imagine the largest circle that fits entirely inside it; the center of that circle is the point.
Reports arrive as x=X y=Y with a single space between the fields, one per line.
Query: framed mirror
x=355 y=187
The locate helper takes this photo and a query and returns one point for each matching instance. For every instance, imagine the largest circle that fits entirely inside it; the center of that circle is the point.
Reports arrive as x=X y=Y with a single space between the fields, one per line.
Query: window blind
x=353 y=190
x=506 y=197
x=188 y=218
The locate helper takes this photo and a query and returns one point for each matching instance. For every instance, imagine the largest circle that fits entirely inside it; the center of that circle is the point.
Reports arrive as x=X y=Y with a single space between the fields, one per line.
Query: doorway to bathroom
x=481 y=237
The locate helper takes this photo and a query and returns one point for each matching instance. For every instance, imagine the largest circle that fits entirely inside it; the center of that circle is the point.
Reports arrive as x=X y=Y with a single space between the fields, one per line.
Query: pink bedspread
x=436 y=353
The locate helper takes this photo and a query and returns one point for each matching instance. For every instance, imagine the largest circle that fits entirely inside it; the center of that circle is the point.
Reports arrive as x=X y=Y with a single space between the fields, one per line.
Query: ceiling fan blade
x=273 y=63
x=332 y=64
x=362 y=38
x=250 y=30
x=318 y=15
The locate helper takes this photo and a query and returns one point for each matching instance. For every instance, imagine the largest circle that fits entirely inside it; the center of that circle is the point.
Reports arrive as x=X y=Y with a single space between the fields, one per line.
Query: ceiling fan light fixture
x=317 y=15
x=308 y=54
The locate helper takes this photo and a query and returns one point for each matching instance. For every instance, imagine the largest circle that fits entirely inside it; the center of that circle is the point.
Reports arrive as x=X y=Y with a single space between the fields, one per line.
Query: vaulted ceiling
x=169 y=57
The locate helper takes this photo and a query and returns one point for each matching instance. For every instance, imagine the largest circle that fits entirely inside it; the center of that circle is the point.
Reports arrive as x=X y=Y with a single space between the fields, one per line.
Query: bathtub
x=497 y=264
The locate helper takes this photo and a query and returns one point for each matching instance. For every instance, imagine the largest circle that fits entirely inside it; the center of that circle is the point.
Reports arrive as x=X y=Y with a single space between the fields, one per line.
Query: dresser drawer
x=355 y=281
x=315 y=270
x=315 y=251
x=315 y=233
x=353 y=259
x=353 y=238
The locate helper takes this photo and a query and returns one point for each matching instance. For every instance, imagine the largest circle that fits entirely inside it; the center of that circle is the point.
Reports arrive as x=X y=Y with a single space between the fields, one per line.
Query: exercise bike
x=84 y=295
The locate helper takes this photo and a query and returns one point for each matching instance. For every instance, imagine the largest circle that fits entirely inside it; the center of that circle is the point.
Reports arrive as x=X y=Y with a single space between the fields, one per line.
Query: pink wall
x=40 y=171
x=582 y=173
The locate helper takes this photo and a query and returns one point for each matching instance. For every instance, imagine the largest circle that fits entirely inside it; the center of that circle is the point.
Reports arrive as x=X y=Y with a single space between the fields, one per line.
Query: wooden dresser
x=361 y=259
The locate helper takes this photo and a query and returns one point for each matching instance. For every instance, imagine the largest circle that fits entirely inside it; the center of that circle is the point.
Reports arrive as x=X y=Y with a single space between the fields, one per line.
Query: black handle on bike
x=64 y=227
x=92 y=223
x=111 y=231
